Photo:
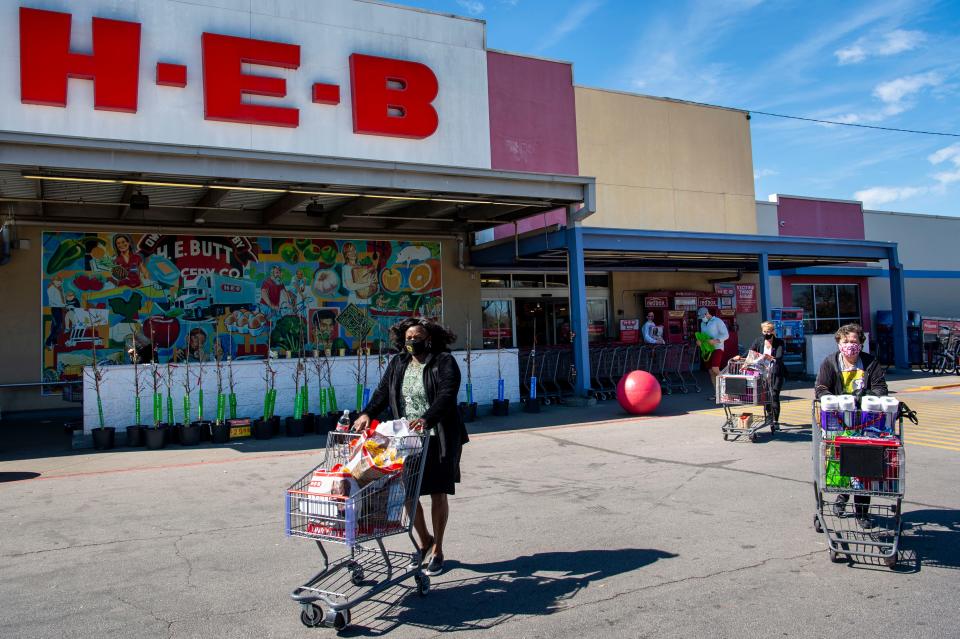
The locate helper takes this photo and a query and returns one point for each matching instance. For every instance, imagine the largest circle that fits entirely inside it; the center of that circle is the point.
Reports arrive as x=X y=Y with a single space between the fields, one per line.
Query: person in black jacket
x=851 y=372
x=421 y=383
x=771 y=347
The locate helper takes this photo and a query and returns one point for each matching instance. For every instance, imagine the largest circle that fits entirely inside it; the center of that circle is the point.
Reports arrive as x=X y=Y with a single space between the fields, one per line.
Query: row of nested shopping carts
x=674 y=365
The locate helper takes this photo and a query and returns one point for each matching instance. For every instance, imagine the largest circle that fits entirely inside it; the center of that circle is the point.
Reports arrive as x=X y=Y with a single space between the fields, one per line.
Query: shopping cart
x=744 y=383
x=868 y=471
x=360 y=521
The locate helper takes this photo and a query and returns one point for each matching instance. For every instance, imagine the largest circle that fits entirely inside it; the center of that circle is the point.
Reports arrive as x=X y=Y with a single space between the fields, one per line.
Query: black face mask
x=768 y=336
x=416 y=346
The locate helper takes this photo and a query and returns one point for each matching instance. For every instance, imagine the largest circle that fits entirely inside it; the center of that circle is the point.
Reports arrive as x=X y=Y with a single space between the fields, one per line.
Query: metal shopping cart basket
x=359 y=521
x=853 y=457
x=744 y=383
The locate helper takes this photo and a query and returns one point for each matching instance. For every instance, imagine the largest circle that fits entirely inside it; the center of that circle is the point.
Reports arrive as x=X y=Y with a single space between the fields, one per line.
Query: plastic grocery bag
x=833 y=477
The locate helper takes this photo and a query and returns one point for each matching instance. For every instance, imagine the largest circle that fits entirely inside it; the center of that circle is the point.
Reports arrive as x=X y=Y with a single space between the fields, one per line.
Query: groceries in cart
x=875 y=417
x=745 y=381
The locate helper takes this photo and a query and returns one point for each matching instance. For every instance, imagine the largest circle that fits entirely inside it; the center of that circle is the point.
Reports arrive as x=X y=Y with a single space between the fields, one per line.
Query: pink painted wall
x=819 y=218
x=533 y=122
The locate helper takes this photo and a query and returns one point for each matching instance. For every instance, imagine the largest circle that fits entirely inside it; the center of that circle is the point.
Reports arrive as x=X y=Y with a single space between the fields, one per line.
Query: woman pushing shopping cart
x=857 y=450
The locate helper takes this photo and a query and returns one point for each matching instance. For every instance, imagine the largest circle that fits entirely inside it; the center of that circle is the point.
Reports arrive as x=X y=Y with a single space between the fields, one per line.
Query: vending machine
x=789 y=326
x=731 y=348
x=676 y=329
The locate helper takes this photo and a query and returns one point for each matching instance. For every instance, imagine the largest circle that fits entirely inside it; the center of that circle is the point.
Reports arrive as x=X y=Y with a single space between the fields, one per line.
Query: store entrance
x=549 y=318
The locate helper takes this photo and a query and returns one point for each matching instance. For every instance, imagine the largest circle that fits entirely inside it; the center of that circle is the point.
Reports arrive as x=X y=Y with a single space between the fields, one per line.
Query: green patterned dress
x=414 y=402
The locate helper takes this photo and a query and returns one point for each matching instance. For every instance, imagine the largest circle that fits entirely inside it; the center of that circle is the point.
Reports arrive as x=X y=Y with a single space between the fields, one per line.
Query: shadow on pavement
x=933 y=535
x=538 y=584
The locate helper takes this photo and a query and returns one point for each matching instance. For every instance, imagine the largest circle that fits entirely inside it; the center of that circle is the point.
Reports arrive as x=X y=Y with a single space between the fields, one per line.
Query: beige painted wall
x=665 y=165
x=21 y=331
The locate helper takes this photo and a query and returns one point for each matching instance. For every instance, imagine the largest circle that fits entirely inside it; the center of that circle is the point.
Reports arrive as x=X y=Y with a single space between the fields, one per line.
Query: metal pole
x=764 y=291
x=578 y=305
x=901 y=358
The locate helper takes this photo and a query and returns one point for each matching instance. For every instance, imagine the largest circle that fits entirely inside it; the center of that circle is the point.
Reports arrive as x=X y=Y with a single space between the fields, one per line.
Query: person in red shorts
x=717 y=330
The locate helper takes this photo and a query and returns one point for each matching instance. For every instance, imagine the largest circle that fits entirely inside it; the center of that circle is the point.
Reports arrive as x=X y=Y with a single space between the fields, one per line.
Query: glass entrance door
x=547 y=318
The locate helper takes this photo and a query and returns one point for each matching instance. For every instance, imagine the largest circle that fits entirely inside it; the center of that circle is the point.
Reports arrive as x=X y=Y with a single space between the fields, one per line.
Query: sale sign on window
x=747 y=298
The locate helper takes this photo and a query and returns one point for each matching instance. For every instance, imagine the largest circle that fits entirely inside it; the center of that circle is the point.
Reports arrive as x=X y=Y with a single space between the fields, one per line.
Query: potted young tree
x=324 y=421
x=155 y=435
x=532 y=404
x=189 y=431
x=501 y=405
x=103 y=436
x=309 y=418
x=220 y=430
x=170 y=428
x=295 y=422
x=135 y=432
x=263 y=427
x=468 y=409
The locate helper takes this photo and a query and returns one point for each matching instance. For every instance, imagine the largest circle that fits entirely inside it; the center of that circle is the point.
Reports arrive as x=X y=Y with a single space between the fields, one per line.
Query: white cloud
x=762 y=173
x=948 y=154
x=892 y=43
x=473 y=7
x=896 y=96
x=570 y=22
x=896 y=90
x=878 y=195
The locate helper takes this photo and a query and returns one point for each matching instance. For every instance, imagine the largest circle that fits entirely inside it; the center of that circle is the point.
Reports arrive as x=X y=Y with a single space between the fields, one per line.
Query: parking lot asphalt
x=574 y=523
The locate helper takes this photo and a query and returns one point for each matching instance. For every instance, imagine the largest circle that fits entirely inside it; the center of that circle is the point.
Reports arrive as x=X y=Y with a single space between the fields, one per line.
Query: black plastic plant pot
x=205 y=429
x=468 y=412
x=103 y=437
x=326 y=423
x=262 y=429
x=220 y=433
x=156 y=438
x=171 y=433
x=531 y=406
x=190 y=434
x=501 y=407
x=135 y=435
x=309 y=423
x=294 y=427
x=275 y=425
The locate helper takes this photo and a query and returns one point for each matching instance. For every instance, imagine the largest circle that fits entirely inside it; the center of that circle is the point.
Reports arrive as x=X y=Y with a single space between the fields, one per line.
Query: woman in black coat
x=772 y=347
x=421 y=383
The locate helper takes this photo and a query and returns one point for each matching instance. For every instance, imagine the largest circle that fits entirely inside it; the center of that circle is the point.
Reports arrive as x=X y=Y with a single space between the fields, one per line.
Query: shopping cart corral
x=859 y=481
x=360 y=521
x=744 y=383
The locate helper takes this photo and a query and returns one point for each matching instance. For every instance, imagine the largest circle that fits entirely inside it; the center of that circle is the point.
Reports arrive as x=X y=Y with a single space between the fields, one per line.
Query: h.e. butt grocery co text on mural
x=203 y=297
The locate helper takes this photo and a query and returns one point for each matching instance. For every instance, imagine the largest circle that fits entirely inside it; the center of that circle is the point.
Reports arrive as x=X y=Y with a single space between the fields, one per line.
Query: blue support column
x=901 y=358
x=764 y=292
x=578 y=307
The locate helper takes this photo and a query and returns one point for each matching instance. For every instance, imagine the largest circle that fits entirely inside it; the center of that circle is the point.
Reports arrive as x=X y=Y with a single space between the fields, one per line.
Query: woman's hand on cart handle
x=417 y=425
x=361 y=424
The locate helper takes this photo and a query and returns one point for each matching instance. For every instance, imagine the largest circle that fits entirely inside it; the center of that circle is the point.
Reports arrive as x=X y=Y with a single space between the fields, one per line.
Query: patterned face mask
x=849 y=350
x=416 y=346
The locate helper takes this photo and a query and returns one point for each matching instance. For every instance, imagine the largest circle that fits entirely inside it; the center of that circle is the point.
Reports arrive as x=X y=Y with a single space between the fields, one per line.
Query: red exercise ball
x=639 y=392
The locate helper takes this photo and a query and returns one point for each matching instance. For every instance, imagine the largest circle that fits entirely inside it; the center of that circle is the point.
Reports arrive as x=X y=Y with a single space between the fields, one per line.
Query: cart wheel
x=891 y=562
x=356 y=575
x=816 y=524
x=836 y=557
x=337 y=620
x=752 y=437
x=546 y=402
x=726 y=437
x=311 y=616
x=423 y=584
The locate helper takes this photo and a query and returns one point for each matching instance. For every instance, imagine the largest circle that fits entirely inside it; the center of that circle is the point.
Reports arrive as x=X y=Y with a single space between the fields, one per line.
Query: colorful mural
x=189 y=296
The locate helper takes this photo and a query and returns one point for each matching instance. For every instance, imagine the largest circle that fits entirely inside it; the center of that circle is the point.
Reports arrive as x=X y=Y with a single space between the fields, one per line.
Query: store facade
x=218 y=179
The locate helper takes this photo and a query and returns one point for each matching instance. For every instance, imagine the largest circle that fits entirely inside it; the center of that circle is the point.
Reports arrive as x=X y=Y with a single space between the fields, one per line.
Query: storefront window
x=556 y=280
x=497 y=323
x=521 y=280
x=827 y=306
x=597 y=320
x=599 y=281
x=494 y=280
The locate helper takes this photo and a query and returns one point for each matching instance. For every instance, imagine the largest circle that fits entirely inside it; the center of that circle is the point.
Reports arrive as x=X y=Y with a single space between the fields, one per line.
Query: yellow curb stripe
x=953 y=448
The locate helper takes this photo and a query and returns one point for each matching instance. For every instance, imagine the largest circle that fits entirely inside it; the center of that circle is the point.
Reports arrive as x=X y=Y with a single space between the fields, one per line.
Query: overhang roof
x=71 y=181
x=634 y=249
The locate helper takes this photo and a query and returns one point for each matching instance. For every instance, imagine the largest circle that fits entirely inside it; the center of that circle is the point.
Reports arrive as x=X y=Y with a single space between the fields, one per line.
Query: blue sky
x=884 y=63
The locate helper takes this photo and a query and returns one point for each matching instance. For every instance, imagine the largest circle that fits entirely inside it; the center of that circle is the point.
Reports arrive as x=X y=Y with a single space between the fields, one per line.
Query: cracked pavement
x=647 y=528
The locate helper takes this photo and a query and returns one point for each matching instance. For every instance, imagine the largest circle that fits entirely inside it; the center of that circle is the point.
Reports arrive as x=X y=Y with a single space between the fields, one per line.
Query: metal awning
x=628 y=250
x=79 y=181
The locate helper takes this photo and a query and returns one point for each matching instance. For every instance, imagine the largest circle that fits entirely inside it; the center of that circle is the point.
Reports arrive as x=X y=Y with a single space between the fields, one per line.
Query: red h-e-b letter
x=46 y=61
x=393 y=97
x=224 y=82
